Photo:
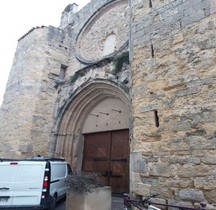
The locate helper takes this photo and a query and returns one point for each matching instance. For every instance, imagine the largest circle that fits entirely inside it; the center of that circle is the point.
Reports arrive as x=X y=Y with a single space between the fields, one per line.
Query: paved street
x=61 y=205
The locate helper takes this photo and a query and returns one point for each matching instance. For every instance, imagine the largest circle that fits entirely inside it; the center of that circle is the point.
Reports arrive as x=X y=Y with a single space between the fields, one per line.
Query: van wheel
x=53 y=204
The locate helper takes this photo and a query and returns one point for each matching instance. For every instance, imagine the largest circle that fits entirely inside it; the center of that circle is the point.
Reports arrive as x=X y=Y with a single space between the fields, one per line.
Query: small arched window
x=109 y=44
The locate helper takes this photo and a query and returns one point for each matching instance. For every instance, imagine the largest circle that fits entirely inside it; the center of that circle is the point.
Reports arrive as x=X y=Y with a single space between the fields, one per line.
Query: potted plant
x=86 y=191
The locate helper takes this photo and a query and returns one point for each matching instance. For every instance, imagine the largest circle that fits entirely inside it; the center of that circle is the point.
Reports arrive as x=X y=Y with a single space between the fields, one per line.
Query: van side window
x=69 y=169
x=58 y=170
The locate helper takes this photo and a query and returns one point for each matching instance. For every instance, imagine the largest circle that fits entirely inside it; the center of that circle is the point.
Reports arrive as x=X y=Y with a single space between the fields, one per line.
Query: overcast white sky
x=19 y=16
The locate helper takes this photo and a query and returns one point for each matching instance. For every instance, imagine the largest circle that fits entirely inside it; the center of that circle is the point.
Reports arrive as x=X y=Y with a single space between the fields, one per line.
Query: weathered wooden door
x=107 y=153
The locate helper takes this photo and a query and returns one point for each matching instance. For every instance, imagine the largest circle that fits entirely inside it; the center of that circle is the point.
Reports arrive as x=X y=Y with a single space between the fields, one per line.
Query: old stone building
x=125 y=88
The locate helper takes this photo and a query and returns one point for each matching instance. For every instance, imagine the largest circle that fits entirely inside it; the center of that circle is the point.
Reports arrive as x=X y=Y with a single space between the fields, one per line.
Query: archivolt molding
x=68 y=136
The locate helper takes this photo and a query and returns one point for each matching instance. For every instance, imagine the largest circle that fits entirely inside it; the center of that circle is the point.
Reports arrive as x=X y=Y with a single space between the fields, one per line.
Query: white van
x=36 y=183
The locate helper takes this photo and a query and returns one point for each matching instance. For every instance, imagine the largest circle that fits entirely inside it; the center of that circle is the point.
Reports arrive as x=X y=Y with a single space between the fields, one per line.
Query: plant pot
x=99 y=199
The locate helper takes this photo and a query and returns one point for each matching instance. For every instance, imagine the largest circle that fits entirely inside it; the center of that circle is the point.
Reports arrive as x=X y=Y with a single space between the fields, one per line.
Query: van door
x=29 y=183
x=24 y=180
x=58 y=179
x=8 y=173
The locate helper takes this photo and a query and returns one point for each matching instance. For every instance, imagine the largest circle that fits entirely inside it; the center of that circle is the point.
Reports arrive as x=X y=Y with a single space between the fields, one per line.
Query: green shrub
x=76 y=76
x=119 y=61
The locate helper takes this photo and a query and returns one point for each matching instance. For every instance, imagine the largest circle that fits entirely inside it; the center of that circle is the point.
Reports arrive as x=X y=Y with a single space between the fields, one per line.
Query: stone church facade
x=125 y=88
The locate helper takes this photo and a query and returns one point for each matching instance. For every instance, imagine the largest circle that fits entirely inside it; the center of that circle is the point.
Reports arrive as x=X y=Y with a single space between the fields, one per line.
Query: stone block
x=189 y=171
x=205 y=183
x=138 y=163
x=142 y=189
x=193 y=195
x=211 y=196
x=209 y=160
x=150 y=107
x=162 y=170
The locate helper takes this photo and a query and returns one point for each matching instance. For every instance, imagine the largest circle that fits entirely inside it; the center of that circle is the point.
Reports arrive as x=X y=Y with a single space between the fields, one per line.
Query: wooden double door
x=107 y=153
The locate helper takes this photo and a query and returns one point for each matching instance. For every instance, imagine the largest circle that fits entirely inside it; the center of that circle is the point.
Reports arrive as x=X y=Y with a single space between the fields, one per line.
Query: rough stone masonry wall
x=173 y=47
x=26 y=114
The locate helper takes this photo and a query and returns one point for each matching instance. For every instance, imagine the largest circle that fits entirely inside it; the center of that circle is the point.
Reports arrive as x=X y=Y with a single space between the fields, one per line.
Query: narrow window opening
x=150 y=3
x=63 y=70
x=152 y=50
x=157 y=124
x=109 y=44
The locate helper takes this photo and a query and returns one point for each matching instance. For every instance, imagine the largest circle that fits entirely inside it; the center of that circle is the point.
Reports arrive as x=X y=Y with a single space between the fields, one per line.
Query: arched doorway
x=97 y=114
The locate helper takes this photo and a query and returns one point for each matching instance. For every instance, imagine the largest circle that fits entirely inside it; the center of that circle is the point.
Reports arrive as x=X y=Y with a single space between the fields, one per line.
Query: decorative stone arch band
x=68 y=138
x=105 y=34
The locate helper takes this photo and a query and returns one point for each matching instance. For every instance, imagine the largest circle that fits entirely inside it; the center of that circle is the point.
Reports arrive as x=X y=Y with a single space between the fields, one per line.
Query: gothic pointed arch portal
x=99 y=109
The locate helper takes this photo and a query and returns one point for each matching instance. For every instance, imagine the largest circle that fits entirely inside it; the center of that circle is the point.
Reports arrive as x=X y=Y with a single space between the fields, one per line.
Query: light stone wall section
x=173 y=72
x=27 y=111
